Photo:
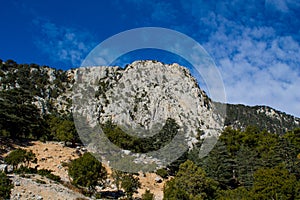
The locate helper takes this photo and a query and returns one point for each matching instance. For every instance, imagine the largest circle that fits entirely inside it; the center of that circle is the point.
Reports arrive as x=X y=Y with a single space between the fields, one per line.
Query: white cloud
x=255 y=44
x=258 y=66
x=280 y=5
x=63 y=44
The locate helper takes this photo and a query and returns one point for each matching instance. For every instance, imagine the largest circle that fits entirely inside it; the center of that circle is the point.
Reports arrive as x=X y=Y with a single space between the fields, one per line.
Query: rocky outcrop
x=37 y=187
x=143 y=96
x=52 y=91
x=140 y=99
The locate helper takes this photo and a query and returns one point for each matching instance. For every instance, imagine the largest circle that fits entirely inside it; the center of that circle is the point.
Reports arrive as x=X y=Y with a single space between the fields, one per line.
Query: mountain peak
x=146 y=93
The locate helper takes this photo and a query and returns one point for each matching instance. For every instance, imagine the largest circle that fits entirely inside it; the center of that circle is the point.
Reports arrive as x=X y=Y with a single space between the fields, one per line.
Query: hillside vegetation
x=257 y=155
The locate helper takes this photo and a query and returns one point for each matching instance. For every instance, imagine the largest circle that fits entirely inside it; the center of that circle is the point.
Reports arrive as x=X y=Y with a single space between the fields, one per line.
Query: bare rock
x=3 y=167
x=158 y=179
x=17 y=183
x=39 y=198
x=10 y=169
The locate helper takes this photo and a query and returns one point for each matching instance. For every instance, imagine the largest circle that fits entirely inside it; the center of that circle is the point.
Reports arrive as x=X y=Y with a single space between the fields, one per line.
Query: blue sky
x=255 y=44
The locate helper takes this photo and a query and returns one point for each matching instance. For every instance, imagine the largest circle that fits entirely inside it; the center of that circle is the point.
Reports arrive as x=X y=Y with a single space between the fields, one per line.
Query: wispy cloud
x=63 y=44
x=280 y=5
x=258 y=65
x=164 y=12
x=255 y=44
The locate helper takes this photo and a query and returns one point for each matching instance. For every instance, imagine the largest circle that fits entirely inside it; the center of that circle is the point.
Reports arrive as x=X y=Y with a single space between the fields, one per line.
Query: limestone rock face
x=141 y=97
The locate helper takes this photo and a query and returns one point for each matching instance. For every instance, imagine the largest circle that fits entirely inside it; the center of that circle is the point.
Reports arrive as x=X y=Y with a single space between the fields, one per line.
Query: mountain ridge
x=52 y=91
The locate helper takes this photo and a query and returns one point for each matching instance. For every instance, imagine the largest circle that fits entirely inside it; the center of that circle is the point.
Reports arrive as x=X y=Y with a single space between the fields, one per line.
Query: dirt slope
x=51 y=155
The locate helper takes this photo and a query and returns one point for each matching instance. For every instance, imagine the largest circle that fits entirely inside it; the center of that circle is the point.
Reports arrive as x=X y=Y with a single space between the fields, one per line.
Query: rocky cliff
x=139 y=96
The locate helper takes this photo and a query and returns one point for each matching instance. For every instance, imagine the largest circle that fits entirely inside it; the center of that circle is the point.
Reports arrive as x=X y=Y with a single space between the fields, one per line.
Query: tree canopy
x=190 y=183
x=19 y=118
x=20 y=156
x=141 y=145
x=5 y=186
x=87 y=171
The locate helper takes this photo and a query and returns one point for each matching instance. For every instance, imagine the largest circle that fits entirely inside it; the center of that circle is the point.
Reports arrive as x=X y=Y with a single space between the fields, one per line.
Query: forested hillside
x=257 y=155
x=264 y=117
x=33 y=103
x=250 y=164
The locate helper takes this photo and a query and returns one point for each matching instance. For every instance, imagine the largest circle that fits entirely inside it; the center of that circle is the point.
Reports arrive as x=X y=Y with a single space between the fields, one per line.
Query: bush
x=25 y=170
x=130 y=184
x=44 y=172
x=48 y=174
x=162 y=173
x=20 y=156
x=147 y=195
x=15 y=157
x=87 y=171
x=53 y=177
x=5 y=186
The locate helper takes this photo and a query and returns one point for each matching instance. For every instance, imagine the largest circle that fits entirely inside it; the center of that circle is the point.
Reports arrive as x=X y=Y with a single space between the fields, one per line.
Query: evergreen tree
x=190 y=182
x=239 y=193
x=5 y=186
x=66 y=131
x=20 y=156
x=18 y=116
x=247 y=162
x=130 y=184
x=289 y=151
x=274 y=183
x=87 y=171
x=141 y=145
x=221 y=166
x=16 y=157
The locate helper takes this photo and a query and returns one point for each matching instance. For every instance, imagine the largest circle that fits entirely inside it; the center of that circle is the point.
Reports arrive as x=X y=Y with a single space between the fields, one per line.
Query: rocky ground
x=52 y=155
x=40 y=188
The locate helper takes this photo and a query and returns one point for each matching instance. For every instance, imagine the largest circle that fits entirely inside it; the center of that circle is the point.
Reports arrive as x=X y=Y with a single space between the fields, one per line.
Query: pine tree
x=221 y=166
x=5 y=186
x=247 y=163
x=274 y=183
x=190 y=183
x=87 y=171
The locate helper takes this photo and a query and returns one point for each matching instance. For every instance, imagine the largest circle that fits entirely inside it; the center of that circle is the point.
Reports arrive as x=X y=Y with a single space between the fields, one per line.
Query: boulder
x=10 y=169
x=68 y=144
x=17 y=183
x=39 y=198
x=158 y=179
x=3 y=168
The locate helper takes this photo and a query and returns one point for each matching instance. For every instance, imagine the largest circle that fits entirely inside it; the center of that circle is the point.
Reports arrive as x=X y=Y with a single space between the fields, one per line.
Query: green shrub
x=20 y=156
x=130 y=184
x=44 y=172
x=53 y=177
x=87 y=171
x=147 y=195
x=5 y=186
x=162 y=173
x=48 y=174
x=25 y=170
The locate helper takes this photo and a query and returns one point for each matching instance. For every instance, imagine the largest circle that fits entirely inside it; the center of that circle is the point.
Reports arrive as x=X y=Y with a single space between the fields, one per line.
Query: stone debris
x=28 y=188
